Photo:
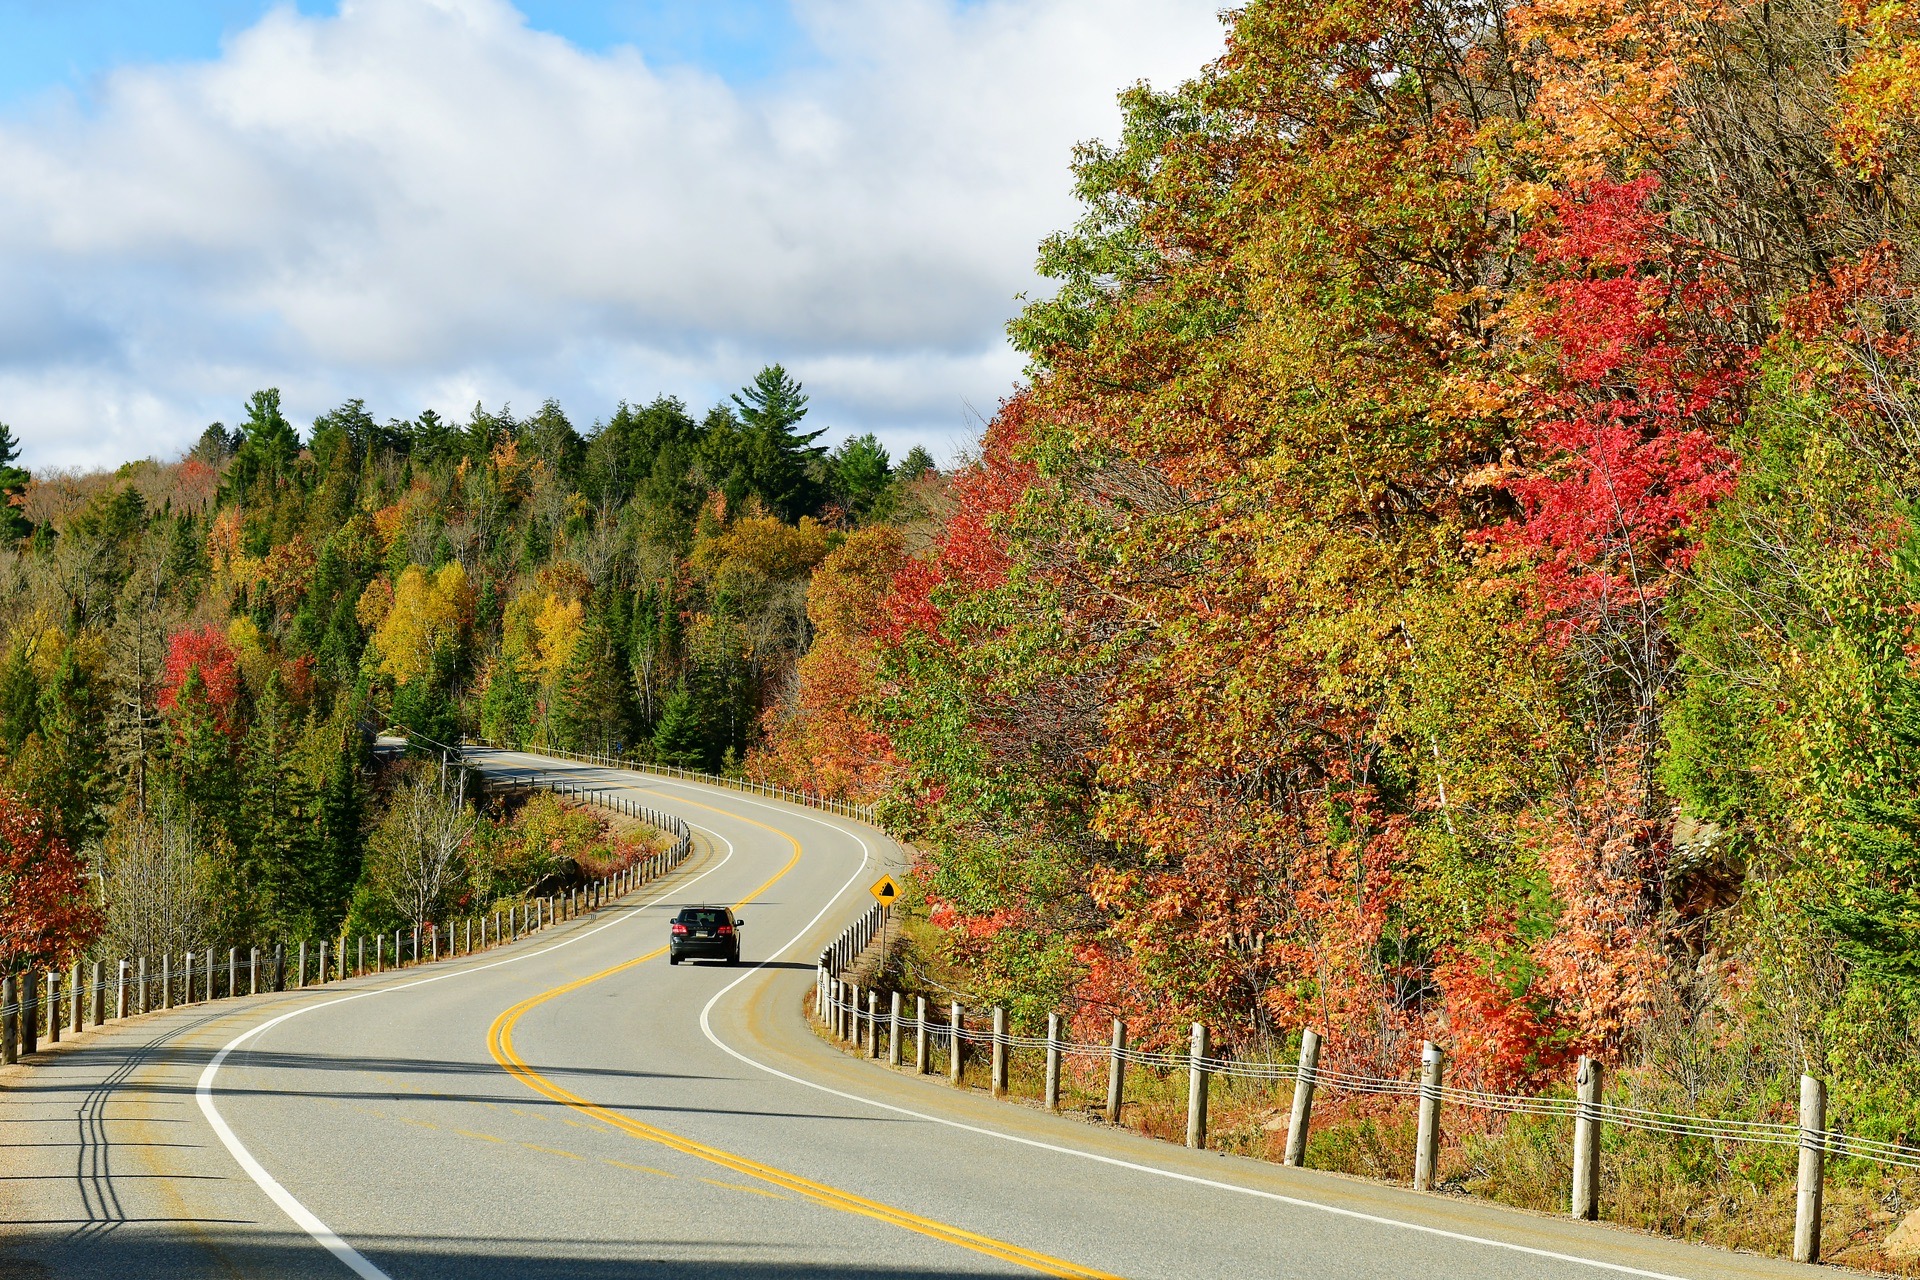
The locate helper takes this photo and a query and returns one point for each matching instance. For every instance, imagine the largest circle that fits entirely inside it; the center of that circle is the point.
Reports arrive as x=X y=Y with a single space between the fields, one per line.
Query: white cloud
x=423 y=199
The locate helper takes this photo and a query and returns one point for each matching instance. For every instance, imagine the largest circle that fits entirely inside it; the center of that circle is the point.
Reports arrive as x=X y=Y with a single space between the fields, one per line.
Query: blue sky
x=428 y=203
x=67 y=44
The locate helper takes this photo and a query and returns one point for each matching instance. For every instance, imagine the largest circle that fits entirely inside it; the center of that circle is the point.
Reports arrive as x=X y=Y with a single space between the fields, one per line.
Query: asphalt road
x=571 y=1106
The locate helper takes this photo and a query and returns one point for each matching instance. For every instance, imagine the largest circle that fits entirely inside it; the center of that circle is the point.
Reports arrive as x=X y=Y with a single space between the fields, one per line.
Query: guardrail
x=861 y=1023
x=845 y=808
x=33 y=1004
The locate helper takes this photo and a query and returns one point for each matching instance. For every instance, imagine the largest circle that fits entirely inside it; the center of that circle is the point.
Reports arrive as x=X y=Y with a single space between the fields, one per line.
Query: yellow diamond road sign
x=885 y=891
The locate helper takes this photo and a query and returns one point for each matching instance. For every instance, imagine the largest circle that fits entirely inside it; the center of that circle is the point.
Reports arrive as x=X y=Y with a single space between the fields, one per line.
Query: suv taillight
x=726 y=931
x=679 y=929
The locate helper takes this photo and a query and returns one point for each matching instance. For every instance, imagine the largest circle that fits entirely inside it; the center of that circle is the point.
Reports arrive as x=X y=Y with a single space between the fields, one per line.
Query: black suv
x=713 y=932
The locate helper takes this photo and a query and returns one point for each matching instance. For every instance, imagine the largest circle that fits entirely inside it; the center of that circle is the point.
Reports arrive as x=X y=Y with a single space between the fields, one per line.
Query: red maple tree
x=1628 y=454
x=207 y=652
x=47 y=913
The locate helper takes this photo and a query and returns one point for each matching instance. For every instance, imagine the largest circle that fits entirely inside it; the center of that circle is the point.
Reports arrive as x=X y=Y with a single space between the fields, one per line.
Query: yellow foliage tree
x=250 y=649
x=558 y=627
x=766 y=546
x=427 y=612
x=539 y=633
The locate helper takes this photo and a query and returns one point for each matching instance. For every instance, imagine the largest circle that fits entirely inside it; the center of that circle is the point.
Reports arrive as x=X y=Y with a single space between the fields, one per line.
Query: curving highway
x=571 y=1106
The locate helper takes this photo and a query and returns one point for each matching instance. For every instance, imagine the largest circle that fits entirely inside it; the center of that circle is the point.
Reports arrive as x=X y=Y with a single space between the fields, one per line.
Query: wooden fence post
x=893 y=1029
x=1117 y=1072
x=1813 y=1143
x=1052 y=1090
x=1197 y=1079
x=143 y=984
x=999 y=1051
x=922 y=1061
x=1426 y=1149
x=120 y=990
x=9 y=1022
x=957 y=1046
x=873 y=1024
x=166 y=980
x=1586 y=1139
x=1302 y=1116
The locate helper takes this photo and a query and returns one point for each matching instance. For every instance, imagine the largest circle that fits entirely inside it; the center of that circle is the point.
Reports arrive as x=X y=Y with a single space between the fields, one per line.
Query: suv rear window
x=704 y=919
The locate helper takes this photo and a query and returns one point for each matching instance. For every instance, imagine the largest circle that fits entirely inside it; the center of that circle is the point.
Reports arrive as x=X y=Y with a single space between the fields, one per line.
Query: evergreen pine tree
x=13 y=483
x=199 y=767
x=916 y=464
x=679 y=738
x=73 y=773
x=506 y=707
x=595 y=705
x=858 y=472
x=652 y=637
x=425 y=708
x=342 y=811
x=719 y=684
x=268 y=444
x=136 y=665
x=277 y=815
x=779 y=461
x=19 y=699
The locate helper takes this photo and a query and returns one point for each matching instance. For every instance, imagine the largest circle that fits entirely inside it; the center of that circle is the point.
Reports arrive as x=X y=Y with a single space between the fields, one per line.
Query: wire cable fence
x=1331 y=1079
x=839 y=1007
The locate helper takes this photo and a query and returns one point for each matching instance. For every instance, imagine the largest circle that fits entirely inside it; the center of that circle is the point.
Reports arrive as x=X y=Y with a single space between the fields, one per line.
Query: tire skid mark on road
x=500 y=1043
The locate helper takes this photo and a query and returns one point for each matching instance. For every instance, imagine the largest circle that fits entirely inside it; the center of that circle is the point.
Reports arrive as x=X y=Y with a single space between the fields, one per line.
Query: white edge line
x=305 y=1218
x=706 y=1025
x=358 y=1263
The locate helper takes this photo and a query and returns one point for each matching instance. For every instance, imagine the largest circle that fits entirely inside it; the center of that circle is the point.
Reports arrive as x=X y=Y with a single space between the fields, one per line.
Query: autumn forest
x=1449 y=572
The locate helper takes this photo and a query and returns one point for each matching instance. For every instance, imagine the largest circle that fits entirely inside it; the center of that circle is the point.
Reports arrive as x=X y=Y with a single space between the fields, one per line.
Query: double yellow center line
x=500 y=1044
